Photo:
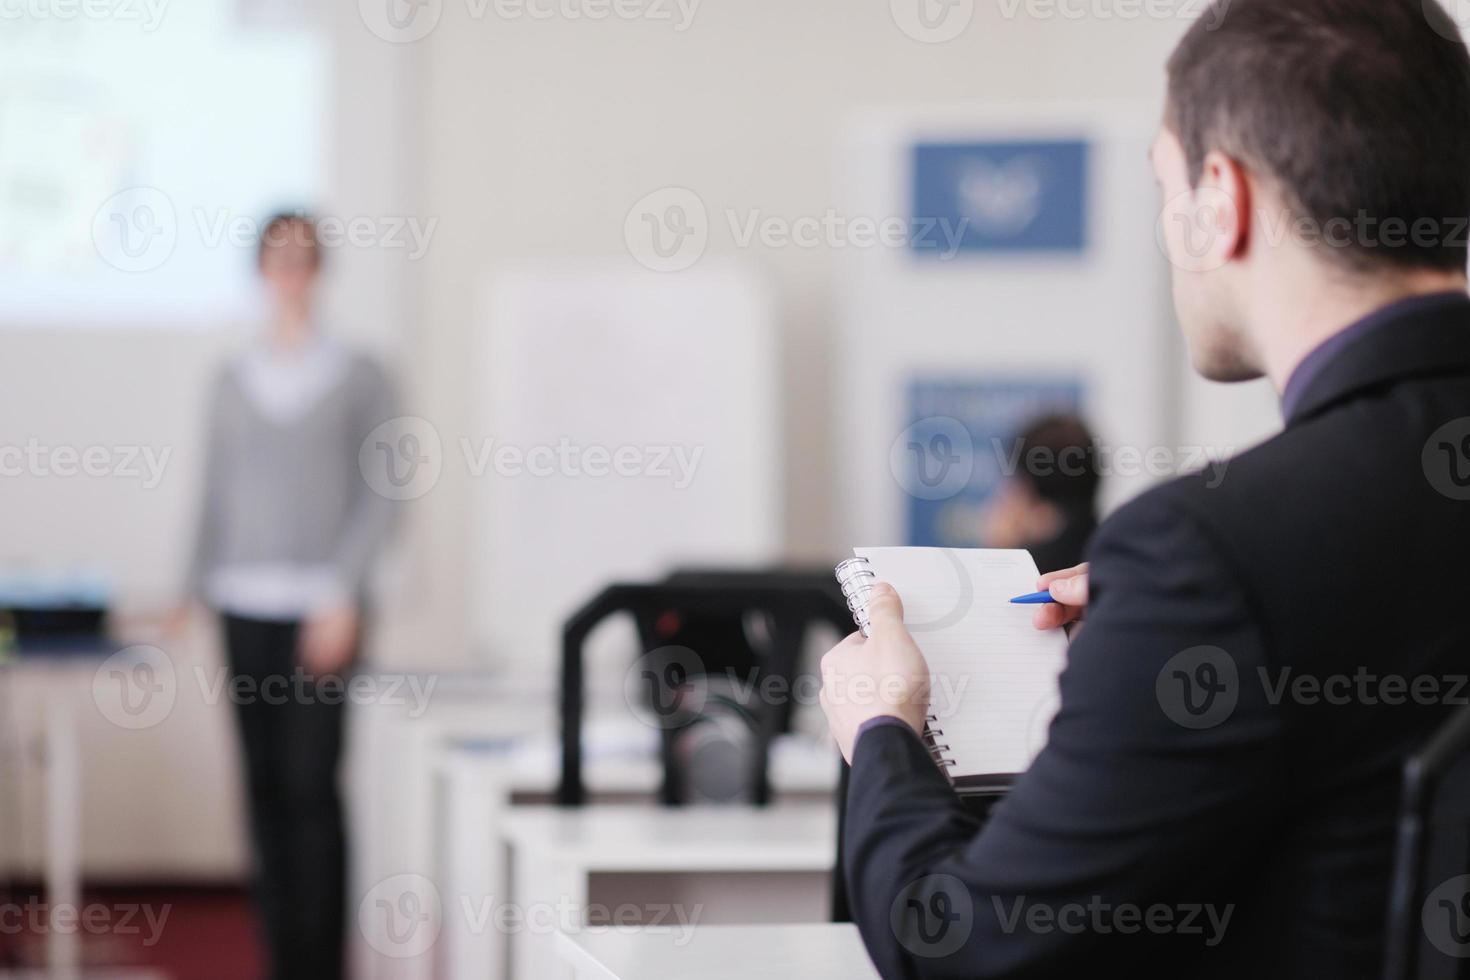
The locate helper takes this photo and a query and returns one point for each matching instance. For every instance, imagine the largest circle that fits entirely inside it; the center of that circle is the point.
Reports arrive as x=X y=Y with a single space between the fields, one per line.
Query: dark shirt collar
x=1311 y=366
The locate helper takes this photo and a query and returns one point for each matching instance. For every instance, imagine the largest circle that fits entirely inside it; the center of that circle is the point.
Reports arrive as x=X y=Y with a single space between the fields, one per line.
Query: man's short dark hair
x=1358 y=111
x=289 y=226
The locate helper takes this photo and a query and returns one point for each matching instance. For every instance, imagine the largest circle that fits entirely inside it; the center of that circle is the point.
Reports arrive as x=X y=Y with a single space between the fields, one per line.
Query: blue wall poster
x=958 y=445
x=1006 y=196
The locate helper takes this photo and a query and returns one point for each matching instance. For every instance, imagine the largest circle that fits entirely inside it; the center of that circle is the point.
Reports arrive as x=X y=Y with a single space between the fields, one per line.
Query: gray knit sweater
x=289 y=495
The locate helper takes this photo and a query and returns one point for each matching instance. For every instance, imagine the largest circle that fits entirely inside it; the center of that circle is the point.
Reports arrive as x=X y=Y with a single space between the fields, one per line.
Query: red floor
x=193 y=933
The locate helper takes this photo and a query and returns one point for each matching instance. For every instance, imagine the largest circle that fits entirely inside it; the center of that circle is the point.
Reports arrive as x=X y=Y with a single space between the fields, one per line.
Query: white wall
x=1097 y=316
x=532 y=139
x=539 y=136
x=163 y=802
x=145 y=387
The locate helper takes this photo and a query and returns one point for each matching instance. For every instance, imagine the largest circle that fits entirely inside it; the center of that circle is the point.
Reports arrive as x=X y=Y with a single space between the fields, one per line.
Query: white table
x=477 y=781
x=399 y=828
x=681 y=867
x=623 y=764
x=428 y=792
x=812 y=952
x=62 y=796
x=55 y=678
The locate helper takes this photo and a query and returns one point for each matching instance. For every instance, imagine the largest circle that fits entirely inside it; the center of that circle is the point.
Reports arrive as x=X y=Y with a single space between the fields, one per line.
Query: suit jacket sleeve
x=1160 y=775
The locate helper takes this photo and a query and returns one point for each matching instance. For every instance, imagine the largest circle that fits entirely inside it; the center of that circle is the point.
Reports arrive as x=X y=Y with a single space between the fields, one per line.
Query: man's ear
x=1223 y=197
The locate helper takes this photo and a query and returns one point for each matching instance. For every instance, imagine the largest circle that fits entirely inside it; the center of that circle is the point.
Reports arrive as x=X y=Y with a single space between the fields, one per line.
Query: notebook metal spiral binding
x=856 y=577
x=932 y=734
x=857 y=580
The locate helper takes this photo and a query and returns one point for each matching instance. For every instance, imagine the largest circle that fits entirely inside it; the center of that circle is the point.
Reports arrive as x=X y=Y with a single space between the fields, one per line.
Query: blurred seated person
x=1049 y=504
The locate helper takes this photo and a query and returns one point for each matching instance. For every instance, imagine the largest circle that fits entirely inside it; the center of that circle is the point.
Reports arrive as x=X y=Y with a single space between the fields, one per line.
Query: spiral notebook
x=993 y=675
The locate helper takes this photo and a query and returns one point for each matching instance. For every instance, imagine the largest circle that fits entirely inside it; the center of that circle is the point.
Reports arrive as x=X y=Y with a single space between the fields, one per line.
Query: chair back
x=706 y=669
x=1428 y=935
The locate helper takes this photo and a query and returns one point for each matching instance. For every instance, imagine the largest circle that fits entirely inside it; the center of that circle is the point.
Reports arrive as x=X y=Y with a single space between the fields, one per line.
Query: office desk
x=396 y=791
x=812 y=952
x=430 y=791
x=681 y=867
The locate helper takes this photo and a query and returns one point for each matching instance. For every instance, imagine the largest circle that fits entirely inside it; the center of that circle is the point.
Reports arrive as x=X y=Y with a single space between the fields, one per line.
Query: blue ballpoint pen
x=1033 y=599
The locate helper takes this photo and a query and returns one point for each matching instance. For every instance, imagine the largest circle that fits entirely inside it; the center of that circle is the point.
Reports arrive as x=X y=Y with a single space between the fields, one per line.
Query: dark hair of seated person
x=1058 y=463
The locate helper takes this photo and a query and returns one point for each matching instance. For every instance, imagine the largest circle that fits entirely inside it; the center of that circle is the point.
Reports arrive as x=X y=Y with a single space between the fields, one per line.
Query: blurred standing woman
x=288 y=531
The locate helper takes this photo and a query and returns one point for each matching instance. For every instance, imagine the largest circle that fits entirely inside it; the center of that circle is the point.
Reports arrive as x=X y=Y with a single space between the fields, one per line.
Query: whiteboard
x=676 y=372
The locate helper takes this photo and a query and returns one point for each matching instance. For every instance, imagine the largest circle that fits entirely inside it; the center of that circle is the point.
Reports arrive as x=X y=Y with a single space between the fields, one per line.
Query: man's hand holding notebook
x=953 y=659
x=867 y=677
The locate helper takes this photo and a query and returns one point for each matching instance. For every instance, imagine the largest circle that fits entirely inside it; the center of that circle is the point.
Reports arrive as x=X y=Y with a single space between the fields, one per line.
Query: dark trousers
x=292 y=743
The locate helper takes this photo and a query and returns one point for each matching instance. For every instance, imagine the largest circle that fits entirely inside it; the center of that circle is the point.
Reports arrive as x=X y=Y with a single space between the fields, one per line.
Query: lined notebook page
x=993 y=675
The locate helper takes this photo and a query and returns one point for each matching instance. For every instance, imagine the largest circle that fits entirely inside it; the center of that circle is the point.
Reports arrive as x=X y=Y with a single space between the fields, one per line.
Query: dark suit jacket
x=1182 y=783
x=1069 y=545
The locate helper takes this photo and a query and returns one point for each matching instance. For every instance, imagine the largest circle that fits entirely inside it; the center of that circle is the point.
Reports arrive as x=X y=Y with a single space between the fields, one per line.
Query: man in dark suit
x=1217 y=795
